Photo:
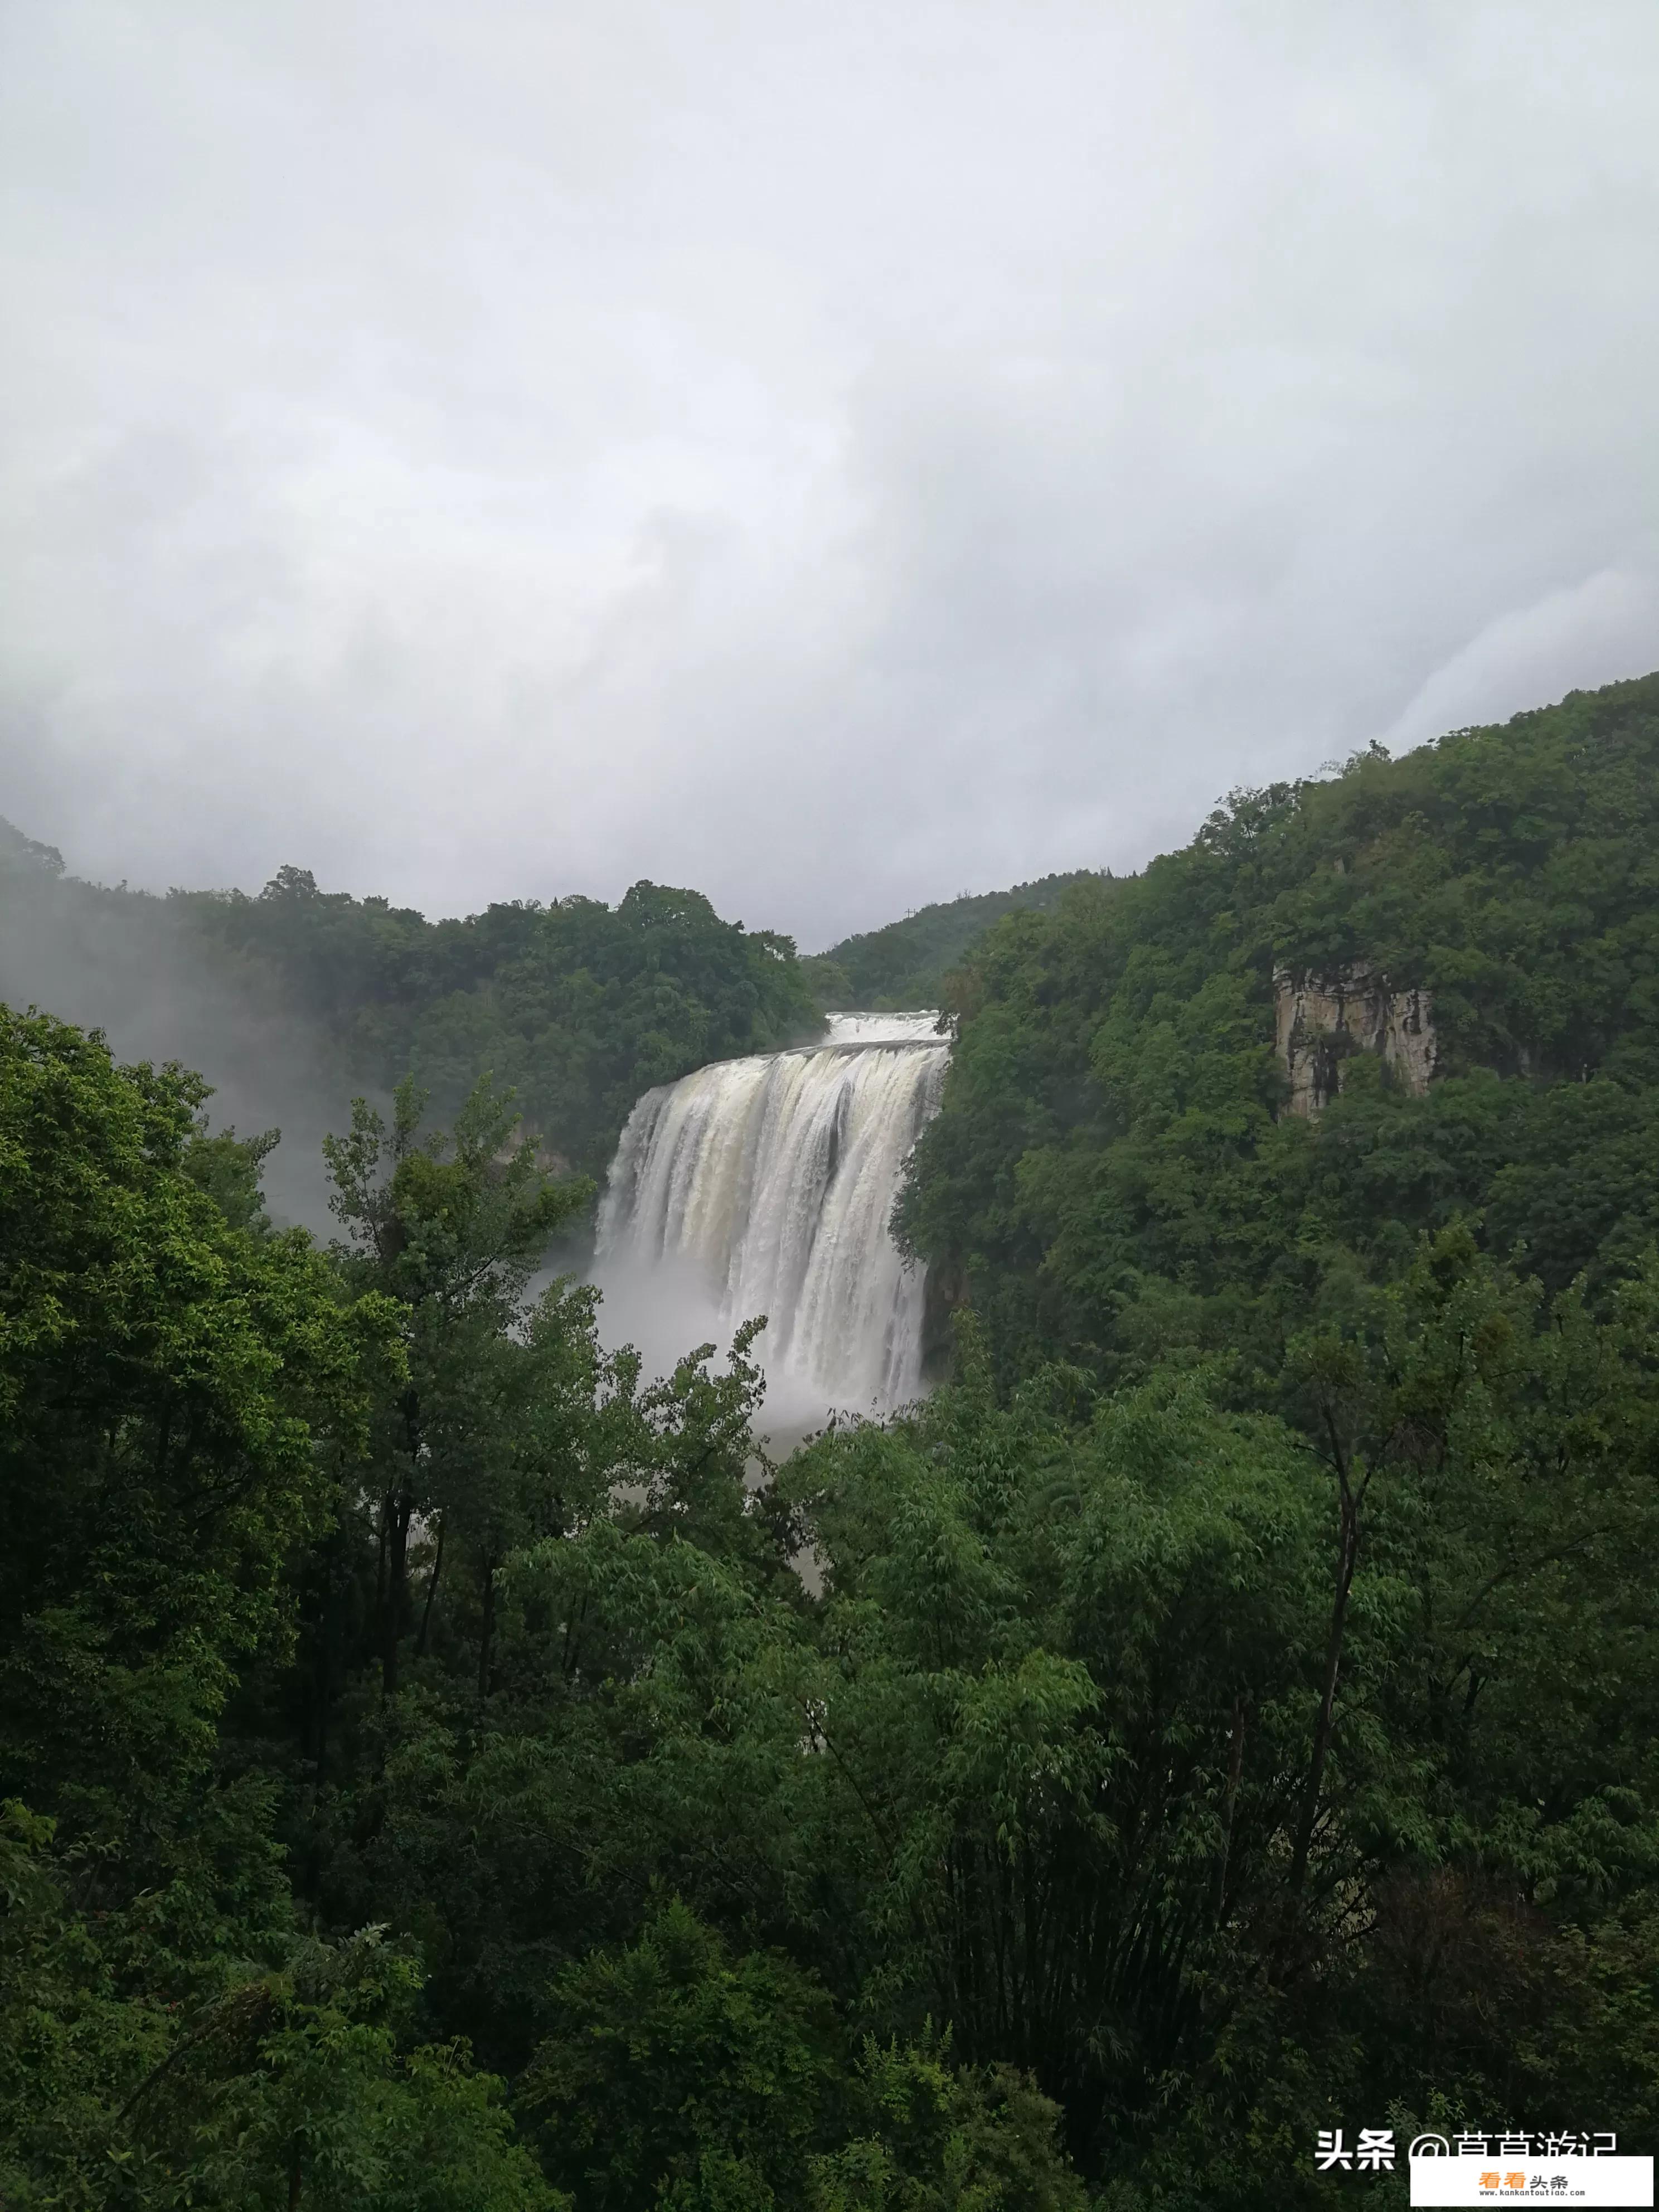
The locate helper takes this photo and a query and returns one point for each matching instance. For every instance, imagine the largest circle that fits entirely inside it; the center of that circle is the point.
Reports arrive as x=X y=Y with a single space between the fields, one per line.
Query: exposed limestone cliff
x=1322 y=1019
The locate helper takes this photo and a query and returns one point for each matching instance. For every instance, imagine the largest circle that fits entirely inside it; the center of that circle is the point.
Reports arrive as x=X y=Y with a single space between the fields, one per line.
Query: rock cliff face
x=1322 y=1019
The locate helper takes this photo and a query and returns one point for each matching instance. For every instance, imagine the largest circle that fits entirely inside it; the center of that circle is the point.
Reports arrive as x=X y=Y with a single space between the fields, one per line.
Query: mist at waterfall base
x=766 y=1186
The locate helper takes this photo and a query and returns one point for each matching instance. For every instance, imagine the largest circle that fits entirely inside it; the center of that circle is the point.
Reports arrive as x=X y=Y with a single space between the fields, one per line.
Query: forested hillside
x=578 y=1006
x=1225 y=1710
x=1113 y=1177
x=905 y=964
x=1432 y=1307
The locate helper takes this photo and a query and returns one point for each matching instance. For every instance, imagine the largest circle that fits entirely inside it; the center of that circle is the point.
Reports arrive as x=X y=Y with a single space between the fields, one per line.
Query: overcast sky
x=834 y=455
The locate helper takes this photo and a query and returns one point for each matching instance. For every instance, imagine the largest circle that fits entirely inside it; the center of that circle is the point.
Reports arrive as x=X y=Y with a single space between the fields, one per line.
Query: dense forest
x=445 y=1769
x=1113 y=1174
x=578 y=1006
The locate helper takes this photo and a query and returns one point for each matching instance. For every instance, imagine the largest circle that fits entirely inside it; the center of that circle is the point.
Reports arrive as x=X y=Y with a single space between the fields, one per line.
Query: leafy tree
x=325 y=2111
x=672 y=2058
x=449 y=1230
x=944 y=2138
x=683 y=2075
x=176 y=1393
x=162 y=1378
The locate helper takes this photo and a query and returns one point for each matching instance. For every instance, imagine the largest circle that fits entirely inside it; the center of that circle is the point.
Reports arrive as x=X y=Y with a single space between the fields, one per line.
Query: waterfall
x=774 y=1179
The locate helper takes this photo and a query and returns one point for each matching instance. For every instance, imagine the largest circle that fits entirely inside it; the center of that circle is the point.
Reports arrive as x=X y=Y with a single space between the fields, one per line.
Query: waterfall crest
x=775 y=1176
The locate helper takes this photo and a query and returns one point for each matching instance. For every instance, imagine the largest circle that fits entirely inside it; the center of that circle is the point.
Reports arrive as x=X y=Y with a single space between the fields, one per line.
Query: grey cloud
x=835 y=458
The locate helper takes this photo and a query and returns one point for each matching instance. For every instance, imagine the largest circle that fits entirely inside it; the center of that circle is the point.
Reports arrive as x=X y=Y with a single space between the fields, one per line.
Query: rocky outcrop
x=1323 y=1019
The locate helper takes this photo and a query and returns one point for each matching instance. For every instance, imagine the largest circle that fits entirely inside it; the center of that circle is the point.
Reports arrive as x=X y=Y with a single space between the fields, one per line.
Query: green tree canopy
x=1113 y=1175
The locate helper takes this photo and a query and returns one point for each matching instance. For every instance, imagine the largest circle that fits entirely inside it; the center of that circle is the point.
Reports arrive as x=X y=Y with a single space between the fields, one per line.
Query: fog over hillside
x=130 y=965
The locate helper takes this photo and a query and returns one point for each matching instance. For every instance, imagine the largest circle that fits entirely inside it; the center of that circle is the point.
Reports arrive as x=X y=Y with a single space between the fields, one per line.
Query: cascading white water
x=775 y=1178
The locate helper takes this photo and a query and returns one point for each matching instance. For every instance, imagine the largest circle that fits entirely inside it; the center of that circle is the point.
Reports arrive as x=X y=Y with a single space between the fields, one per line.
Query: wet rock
x=1323 y=1020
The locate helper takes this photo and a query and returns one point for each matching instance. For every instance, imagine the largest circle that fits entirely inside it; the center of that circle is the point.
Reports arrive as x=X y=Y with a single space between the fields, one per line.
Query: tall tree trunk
x=385 y=1520
x=396 y=1592
x=431 y=1592
x=1348 y=1554
x=324 y=1670
x=1234 y=1770
x=487 y=1631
